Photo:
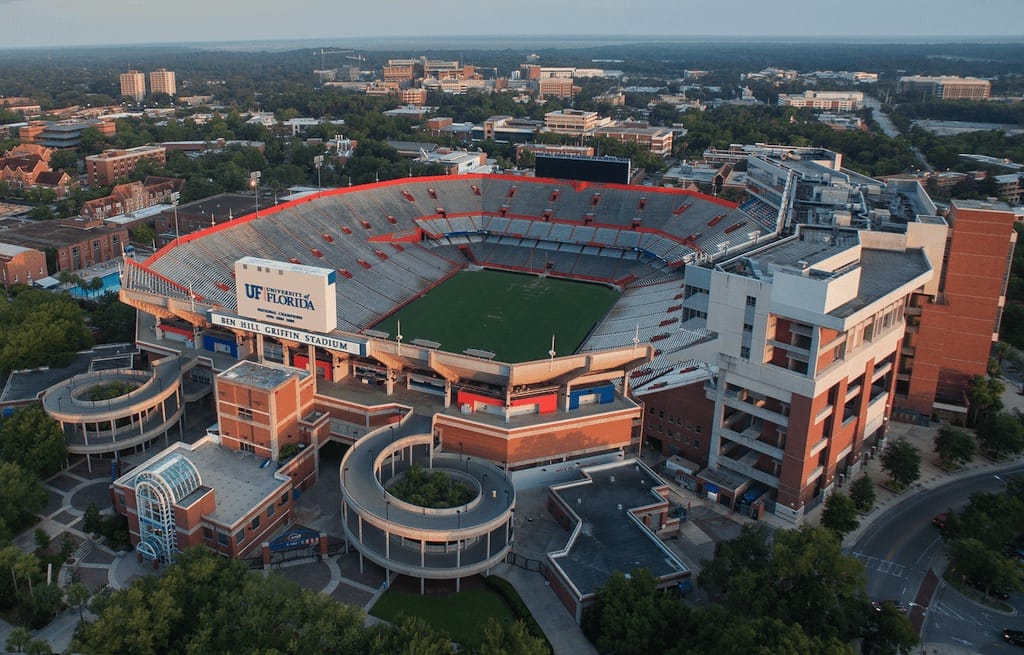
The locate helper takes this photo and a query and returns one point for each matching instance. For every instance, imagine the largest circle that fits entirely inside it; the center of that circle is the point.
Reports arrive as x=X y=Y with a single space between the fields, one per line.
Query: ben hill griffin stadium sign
x=289 y=294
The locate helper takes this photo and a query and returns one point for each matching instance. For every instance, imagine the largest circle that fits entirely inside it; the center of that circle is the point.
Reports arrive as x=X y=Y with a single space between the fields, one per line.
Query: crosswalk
x=882 y=565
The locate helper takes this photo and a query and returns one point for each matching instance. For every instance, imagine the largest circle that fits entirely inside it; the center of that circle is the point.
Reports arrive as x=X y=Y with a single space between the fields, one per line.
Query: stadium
x=395 y=243
x=480 y=324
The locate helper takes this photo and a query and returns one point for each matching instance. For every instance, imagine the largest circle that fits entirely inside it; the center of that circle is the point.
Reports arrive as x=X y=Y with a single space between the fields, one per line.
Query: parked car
x=1015 y=637
x=939 y=520
x=880 y=604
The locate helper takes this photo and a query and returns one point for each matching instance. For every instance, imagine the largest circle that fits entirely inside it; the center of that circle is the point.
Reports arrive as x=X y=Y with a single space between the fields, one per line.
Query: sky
x=51 y=23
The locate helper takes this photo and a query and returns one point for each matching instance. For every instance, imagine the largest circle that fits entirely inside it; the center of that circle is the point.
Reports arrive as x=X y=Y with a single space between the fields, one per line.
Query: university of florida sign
x=286 y=294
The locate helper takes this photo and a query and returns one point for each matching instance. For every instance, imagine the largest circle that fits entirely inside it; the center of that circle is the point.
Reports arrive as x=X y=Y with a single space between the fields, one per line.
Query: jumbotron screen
x=613 y=170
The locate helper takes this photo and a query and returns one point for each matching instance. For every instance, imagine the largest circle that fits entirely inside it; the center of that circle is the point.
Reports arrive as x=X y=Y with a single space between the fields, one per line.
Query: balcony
x=749 y=438
x=749 y=471
x=757 y=410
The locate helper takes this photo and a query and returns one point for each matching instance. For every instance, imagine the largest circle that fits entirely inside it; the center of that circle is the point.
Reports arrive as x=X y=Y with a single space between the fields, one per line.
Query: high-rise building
x=133 y=85
x=945 y=87
x=162 y=81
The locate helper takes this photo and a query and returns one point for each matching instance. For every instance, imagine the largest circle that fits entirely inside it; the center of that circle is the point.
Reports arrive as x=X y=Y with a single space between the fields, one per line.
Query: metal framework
x=157 y=491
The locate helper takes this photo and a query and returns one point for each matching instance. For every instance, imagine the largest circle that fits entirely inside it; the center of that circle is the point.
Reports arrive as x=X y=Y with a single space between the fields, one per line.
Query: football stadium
x=475 y=324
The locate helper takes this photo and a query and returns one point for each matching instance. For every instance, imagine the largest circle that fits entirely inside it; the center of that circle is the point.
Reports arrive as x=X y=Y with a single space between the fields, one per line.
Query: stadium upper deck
x=393 y=241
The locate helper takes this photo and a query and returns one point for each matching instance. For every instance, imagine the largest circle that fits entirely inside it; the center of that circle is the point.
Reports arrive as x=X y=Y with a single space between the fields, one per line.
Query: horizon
x=109 y=23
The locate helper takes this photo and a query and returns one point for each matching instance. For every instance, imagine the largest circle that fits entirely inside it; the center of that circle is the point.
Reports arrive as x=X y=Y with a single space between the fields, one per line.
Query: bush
x=287 y=451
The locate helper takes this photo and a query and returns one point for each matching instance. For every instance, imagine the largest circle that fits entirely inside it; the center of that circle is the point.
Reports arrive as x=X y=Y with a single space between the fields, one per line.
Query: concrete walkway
x=558 y=625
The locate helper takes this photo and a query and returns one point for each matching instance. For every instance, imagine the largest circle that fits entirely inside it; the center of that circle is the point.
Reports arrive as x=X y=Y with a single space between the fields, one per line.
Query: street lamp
x=318 y=161
x=467 y=466
x=254 y=182
x=458 y=515
x=175 y=197
x=387 y=511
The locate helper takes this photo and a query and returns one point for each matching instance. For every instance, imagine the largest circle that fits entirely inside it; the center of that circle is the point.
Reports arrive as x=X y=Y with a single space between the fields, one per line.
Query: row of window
x=224 y=540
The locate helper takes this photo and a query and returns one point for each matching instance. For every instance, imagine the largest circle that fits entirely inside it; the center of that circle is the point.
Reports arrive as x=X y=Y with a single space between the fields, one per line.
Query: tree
x=1000 y=434
x=39 y=328
x=77 y=595
x=412 y=636
x=18 y=639
x=840 y=514
x=114 y=319
x=93 y=518
x=984 y=396
x=984 y=567
x=902 y=461
x=21 y=496
x=862 y=492
x=143 y=235
x=38 y=647
x=632 y=616
x=511 y=639
x=33 y=440
x=954 y=446
x=204 y=603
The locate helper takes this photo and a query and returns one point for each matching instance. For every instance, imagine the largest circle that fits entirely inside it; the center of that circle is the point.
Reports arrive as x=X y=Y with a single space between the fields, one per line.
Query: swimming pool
x=111 y=282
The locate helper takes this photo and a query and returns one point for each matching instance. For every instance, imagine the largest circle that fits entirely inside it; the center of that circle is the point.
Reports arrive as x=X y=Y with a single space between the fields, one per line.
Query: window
x=696 y=443
x=661 y=414
x=697 y=429
x=745 y=352
x=751 y=301
x=270 y=511
x=222 y=538
x=246 y=447
x=747 y=327
x=284 y=498
x=255 y=522
x=207 y=534
x=240 y=537
x=245 y=413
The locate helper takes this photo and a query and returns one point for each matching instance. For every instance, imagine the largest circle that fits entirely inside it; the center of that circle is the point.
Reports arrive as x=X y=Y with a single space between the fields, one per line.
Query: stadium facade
x=786 y=351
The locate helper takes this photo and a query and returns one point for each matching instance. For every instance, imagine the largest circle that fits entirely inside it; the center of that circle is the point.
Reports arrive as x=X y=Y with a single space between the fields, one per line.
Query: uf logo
x=253 y=291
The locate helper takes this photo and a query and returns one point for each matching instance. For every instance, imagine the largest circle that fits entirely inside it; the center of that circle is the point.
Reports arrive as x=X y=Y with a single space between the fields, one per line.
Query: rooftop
x=26 y=386
x=267 y=376
x=882 y=272
x=609 y=539
x=241 y=480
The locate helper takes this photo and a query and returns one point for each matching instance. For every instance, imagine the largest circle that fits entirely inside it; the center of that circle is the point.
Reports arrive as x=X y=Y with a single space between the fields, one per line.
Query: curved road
x=900 y=547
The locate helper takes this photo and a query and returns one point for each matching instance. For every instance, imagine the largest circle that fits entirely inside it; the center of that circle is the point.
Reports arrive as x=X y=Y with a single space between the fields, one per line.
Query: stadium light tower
x=254 y=182
x=318 y=161
x=175 y=196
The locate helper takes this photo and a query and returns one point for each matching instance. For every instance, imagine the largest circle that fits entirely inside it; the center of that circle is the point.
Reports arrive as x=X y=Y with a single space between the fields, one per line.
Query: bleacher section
x=393 y=240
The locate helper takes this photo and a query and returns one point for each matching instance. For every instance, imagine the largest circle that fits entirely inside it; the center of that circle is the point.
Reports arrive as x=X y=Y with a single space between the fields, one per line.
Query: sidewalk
x=932 y=475
x=565 y=636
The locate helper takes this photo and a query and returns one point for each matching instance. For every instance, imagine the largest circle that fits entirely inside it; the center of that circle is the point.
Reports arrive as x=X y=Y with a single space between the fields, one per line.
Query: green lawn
x=461 y=616
x=510 y=314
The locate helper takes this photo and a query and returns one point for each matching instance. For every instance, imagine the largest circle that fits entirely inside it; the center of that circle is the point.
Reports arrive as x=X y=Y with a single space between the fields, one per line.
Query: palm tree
x=18 y=639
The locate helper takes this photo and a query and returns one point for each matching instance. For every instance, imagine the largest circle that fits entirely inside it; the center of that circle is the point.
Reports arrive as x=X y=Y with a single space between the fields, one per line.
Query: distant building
x=133 y=85
x=656 y=139
x=559 y=87
x=573 y=121
x=131 y=197
x=64 y=134
x=1011 y=187
x=21 y=265
x=79 y=243
x=827 y=100
x=414 y=96
x=162 y=81
x=456 y=162
x=945 y=87
x=111 y=165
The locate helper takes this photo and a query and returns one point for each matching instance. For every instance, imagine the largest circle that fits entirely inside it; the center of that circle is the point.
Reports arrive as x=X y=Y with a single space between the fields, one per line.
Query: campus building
x=63 y=134
x=112 y=165
x=162 y=81
x=133 y=85
x=826 y=100
x=945 y=87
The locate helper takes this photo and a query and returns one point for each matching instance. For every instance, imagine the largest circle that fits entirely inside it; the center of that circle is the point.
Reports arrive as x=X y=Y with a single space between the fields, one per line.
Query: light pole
x=254 y=182
x=175 y=197
x=318 y=161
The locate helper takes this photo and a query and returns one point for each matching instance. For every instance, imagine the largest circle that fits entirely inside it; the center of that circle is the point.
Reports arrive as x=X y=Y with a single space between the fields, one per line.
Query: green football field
x=510 y=314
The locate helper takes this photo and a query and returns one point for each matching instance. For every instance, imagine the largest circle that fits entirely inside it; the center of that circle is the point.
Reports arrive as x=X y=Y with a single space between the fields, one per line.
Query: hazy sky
x=29 y=23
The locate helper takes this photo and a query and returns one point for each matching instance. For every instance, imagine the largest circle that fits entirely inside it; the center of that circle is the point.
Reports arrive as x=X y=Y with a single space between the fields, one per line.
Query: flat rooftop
x=26 y=386
x=882 y=272
x=267 y=376
x=998 y=205
x=609 y=539
x=239 y=479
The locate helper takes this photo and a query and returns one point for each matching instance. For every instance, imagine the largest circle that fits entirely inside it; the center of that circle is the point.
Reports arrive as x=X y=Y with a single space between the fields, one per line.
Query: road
x=890 y=130
x=900 y=547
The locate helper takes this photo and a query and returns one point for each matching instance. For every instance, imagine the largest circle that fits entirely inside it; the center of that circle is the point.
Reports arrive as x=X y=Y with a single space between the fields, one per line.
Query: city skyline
x=109 y=22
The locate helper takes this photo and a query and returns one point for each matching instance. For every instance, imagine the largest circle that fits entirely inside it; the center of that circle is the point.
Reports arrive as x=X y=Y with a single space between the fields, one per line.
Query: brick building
x=112 y=165
x=20 y=265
